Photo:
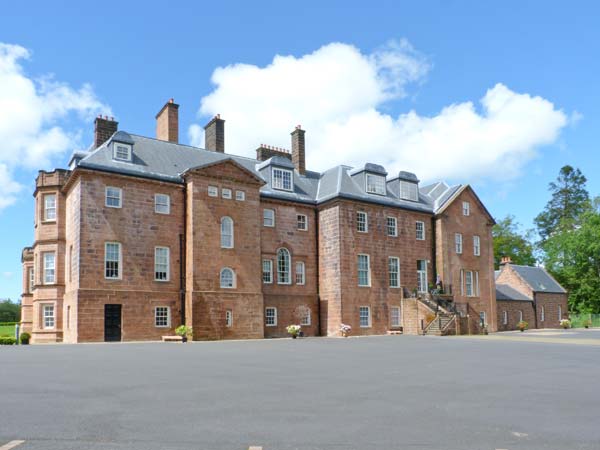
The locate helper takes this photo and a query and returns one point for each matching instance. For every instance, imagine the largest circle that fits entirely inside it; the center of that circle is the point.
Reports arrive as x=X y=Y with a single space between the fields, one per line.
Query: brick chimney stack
x=167 y=122
x=298 y=150
x=505 y=260
x=214 y=135
x=104 y=128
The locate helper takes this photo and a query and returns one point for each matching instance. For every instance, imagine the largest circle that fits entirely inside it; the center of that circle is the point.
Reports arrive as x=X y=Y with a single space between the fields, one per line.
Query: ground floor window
x=422 y=275
x=48 y=316
x=271 y=317
x=504 y=318
x=162 y=317
x=520 y=316
x=559 y=313
x=482 y=320
x=365 y=316
x=229 y=318
x=395 y=316
x=305 y=320
x=543 y=314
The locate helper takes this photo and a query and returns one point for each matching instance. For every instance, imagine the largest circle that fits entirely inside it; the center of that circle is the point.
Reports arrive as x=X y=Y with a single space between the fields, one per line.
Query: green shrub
x=7 y=340
x=24 y=338
x=182 y=330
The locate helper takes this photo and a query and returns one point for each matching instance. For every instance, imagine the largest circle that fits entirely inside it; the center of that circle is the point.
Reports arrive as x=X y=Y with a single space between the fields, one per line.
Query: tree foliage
x=509 y=241
x=9 y=311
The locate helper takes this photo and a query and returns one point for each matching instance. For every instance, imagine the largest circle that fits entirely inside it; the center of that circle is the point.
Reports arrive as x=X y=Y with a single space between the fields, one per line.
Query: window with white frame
x=471 y=288
x=300 y=275
x=229 y=318
x=482 y=318
x=121 y=152
x=271 y=317
x=409 y=191
x=267 y=271
x=112 y=260
x=31 y=277
x=543 y=314
x=364 y=315
x=268 y=217
x=476 y=246
x=226 y=232
x=504 y=317
x=48 y=315
x=362 y=222
x=394 y=272
x=520 y=316
x=420 y=230
x=392 y=226
x=283 y=266
x=458 y=243
x=162 y=204
x=213 y=191
x=375 y=184
x=162 y=317
x=422 y=275
x=49 y=259
x=466 y=208
x=302 y=221
x=364 y=270
x=227 y=278
x=113 y=197
x=559 y=313
x=282 y=179
x=226 y=193
x=395 y=316
x=240 y=196
x=305 y=319
x=161 y=263
x=50 y=207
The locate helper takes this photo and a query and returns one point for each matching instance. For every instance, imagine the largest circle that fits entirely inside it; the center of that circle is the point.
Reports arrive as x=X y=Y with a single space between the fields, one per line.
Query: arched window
x=283 y=266
x=227 y=278
x=226 y=232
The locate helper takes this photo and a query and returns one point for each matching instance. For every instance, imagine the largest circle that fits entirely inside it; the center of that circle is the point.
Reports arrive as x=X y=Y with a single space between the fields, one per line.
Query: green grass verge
x=7 y=330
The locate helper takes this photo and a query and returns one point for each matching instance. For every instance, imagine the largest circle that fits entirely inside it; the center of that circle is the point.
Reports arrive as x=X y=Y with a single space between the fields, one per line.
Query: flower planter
x=183 y=339
x=294 y=336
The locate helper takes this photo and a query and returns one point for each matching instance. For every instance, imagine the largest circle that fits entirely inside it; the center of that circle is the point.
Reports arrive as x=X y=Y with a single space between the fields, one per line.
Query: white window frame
x=469 y=283
x=520 y=315
x=422 y=280
x=162 y=203
x=226 y=193
x=361 y=316
x=268 y=217
x=362 y=221
x=273 y=316
x=240 y=196
x=228 y=318
x=483 y=316
x=559 y=313
x=162 y=316
x=119 y=197
x=458 y=243
x=116 y=156
x=391 y=225
x=119 y=261
x=51 y=307
x=420 y=230
x=31 y=278
x=50 y=210
x=227 y=232
x=280 y=178
x=300 y=274
x=302 y=222
x=504 y=317
x=409 y=191
x=366 y=258
x=49 y=269
x=305 y=320
x=233 y=278
x=466 y=208
x=375 y=184
x=213 y=191
x=395 y=259
x=542 y=314
x=158 y=264
x=476 y=245
x=288 y=272
x=269 y=263
x=395 y=313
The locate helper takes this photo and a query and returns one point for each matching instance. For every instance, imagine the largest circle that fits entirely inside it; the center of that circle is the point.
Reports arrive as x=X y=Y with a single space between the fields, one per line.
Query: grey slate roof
x=168 y=161
x=505 y=292
x=538 y=279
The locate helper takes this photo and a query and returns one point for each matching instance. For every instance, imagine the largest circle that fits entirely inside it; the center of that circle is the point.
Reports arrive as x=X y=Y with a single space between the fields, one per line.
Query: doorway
x=112 y=323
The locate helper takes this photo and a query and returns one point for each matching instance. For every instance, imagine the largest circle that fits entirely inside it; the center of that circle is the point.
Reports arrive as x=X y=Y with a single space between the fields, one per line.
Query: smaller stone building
x=529 y=294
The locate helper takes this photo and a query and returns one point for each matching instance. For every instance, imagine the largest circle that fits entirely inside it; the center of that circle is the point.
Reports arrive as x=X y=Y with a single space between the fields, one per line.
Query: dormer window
x=409 y=191
x=121 y=152
x=375 y=184
x=281 y=179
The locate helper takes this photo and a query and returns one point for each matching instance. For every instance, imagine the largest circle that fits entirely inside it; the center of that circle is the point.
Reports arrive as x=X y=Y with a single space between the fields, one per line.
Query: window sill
x=47 y=222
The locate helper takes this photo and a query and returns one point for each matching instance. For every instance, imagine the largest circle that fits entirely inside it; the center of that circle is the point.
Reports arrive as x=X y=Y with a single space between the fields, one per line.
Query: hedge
x=6 y=340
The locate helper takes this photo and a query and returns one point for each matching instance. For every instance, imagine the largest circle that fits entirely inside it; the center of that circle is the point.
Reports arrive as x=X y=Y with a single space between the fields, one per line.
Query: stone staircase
x=441 y=325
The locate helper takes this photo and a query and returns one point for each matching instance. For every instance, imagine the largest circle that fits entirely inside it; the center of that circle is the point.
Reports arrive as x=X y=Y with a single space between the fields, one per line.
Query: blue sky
x=402 y=82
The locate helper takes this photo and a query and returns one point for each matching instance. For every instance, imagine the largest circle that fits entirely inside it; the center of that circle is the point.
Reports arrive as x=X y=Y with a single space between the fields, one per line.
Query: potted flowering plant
x=345 y=329
x=565 y=323
x=522 y=325
x=24 y=338
x=183 y=331
x=293 y=330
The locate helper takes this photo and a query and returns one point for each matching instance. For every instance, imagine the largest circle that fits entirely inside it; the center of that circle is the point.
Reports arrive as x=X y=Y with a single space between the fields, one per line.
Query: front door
x=112 y=323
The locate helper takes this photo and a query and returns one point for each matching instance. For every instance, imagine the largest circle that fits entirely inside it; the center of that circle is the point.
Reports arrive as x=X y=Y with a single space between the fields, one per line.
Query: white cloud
x=341 y=97
x=33 y=113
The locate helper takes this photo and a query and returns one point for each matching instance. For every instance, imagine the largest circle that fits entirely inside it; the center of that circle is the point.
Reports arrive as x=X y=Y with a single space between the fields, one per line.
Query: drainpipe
x=182 y=268
x=316 y=222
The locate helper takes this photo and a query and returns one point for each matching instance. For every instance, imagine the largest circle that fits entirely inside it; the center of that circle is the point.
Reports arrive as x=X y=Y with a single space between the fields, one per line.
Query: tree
x=569 y=201
x=9 y=311
x=573 y=258
x=509 y=241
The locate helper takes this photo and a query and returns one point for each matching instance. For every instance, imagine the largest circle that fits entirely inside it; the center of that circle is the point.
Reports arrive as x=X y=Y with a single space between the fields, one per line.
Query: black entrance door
x=112 y=323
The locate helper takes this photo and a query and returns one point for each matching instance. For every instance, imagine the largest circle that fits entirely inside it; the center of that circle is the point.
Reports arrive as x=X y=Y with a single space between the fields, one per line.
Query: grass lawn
x=7 y=330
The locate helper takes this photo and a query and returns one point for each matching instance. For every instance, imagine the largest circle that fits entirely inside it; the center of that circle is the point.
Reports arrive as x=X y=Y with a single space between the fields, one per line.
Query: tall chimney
x=104 y=128
x=298 y=150
x=167 y=122
x=214 y=135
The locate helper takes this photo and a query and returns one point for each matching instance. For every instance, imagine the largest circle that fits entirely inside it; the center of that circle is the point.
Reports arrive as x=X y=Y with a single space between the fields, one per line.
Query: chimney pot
x=167 y=122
